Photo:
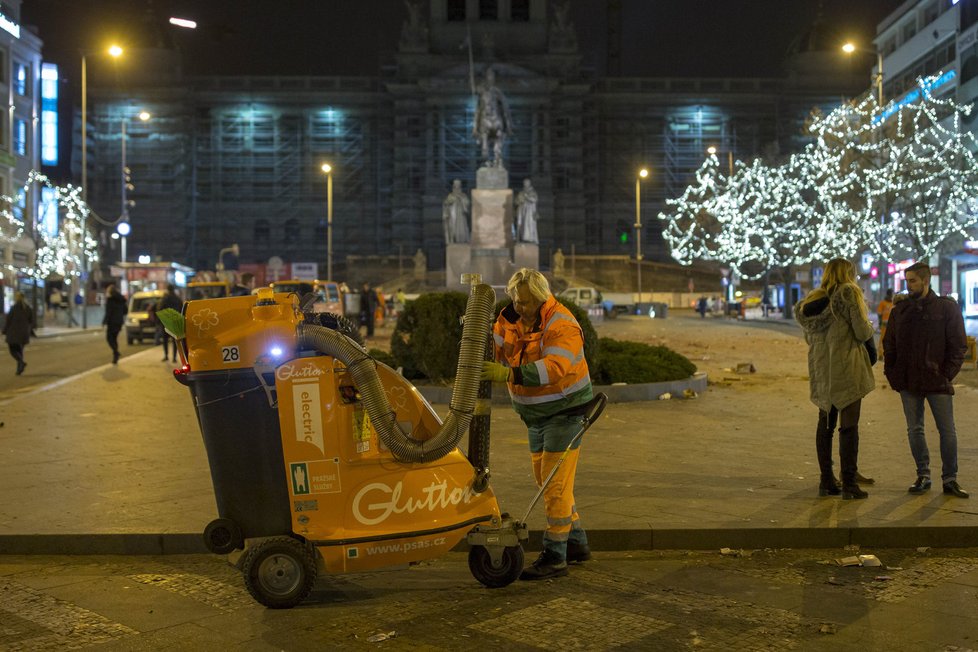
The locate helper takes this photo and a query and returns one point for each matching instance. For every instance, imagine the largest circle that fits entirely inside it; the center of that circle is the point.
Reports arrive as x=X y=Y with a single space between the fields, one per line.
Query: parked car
x=138 y=324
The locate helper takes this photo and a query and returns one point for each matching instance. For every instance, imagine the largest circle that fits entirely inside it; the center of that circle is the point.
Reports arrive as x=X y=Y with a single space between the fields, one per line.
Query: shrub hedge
x=635 y=362
x=426 y=341
x=426 y=338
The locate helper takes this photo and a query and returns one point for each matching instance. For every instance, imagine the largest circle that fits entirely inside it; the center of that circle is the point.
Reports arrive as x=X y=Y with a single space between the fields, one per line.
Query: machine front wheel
x=496 y=576
x=279 y=572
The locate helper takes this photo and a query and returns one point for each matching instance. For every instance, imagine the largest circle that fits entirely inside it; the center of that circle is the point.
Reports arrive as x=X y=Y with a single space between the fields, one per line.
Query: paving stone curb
x=600 y=540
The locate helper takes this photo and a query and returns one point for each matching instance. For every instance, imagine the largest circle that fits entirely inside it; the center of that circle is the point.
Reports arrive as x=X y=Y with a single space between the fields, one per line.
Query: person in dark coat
x=115 y=315
x=18 y=329
x=169 y=300
x=368 y=308
x=923 y=350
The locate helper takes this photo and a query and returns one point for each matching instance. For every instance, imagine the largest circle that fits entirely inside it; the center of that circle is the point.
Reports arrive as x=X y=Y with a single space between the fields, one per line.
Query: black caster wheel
x=496 y=576
x=223 y=535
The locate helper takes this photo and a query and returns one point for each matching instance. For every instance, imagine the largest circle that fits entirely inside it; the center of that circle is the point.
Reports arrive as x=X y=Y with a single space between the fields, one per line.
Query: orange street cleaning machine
x=324 y=460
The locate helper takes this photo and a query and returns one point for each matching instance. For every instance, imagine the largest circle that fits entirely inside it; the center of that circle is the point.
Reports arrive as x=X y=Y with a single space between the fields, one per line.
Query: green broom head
x=173 y=322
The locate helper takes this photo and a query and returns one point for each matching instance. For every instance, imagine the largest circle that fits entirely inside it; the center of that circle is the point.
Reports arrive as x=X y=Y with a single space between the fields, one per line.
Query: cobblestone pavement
x=743 y=600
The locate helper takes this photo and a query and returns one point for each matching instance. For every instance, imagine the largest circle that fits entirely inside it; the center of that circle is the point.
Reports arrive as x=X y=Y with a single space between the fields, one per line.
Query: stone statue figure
x=420 y=264
x=526 y=213
x=558 y=262
x=414 y=31
x=492 y=119
x=455 y=214
x=563 y=38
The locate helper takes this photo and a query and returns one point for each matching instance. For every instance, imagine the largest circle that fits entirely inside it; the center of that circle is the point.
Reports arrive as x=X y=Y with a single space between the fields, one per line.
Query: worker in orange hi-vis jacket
x=540 y=351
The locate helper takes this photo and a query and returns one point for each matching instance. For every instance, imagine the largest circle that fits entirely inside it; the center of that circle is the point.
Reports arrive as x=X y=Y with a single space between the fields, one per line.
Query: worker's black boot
x=548 y=564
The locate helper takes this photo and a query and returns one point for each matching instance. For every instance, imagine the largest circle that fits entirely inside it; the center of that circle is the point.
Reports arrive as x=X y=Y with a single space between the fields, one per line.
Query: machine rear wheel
x=279 y=572
x=493 y=576
x=222 y=535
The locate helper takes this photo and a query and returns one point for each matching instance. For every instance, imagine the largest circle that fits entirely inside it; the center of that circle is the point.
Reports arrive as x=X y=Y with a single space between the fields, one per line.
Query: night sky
x=353 y=37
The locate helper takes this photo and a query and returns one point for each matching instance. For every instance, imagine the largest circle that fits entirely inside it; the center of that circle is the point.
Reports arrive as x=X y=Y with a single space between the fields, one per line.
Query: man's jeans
x=941 y=406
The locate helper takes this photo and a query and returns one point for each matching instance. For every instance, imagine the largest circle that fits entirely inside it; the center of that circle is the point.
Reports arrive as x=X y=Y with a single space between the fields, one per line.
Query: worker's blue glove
x=495 y=372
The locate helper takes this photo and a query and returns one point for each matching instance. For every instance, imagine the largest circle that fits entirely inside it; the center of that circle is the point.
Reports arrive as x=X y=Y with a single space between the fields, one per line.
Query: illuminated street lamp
x=850 y=47
x=712 y=150
x=328 y=171
x=643 y=173
x=123 y=229
x=114 y=51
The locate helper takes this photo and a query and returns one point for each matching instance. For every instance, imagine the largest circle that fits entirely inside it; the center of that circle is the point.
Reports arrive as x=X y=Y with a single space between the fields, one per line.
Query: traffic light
x=622 y=231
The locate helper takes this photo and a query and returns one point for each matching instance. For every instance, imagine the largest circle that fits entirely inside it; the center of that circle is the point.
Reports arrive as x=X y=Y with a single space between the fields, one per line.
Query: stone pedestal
x=492 y=228
x=458 y=261
x=526 y=254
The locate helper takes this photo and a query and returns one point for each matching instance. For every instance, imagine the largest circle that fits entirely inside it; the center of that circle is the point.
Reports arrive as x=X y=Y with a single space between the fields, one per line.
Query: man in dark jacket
x=18 y=328
x=115 y=315
x=923 y=349
x=368 y=306
x=173 y=301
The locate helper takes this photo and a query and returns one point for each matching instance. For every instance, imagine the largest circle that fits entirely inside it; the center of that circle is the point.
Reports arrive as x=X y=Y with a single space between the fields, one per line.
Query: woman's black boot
x=853 y=492
x=829 y=486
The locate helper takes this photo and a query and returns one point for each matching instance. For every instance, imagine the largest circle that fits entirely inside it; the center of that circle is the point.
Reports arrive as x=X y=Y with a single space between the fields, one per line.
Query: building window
x=22 y=76
x=968 y=14
x=455 y=10
x=262 y=232
x=909 y=29
x=20 y=136
x=488 y=10
x=519 y=10
x=291 y=231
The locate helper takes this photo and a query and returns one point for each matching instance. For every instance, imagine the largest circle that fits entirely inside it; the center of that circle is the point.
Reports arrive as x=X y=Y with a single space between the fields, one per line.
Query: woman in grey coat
x=18 y=328
x=840 y=358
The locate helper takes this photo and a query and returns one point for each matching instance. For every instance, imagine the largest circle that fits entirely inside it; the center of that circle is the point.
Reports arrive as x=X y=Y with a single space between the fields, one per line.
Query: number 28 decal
x=230 y=354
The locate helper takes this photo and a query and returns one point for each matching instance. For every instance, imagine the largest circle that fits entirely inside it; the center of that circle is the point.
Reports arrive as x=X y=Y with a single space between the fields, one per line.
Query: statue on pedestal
x=492 y=119
x=455 y=215
x=526 y=213
x=420 y=264
x=558 y=262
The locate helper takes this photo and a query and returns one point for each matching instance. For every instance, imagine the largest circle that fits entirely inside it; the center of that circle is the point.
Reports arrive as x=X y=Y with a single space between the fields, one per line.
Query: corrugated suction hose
x=405 y=448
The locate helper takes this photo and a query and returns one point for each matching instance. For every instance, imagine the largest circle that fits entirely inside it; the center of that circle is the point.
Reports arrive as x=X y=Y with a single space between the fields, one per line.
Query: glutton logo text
x=376 y=502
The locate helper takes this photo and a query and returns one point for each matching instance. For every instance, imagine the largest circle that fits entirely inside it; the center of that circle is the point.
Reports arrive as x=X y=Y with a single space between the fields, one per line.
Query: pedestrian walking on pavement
x=18 y=328
x=841 y=352
x=923 y=350
x=172 y=300
x=368 y=308
x=540 y=347
x=245 y=286
x=115 y=315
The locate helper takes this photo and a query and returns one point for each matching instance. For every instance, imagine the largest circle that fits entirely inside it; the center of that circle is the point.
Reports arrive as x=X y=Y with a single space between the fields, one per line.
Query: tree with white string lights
x=60 y=253
x=900 y=182
x=908 y=173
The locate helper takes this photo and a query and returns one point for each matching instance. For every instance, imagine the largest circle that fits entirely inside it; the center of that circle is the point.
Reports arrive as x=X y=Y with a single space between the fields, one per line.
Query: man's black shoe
x=922 y=485
x=547 y=565
x=952 y=488
x=577 y=552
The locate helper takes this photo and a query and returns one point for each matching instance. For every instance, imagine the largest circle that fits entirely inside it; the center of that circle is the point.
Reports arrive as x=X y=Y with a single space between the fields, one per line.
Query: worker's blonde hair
x=534 y=281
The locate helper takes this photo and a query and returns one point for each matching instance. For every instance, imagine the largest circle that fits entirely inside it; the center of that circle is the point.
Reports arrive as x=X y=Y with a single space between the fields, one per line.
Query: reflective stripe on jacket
x=550 y=372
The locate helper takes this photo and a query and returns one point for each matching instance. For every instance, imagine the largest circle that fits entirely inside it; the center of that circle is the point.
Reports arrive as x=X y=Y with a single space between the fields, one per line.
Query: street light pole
x=638 y=232
x=124 y=213
x=114 y=51
x=328 y=169
x=84 y=188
